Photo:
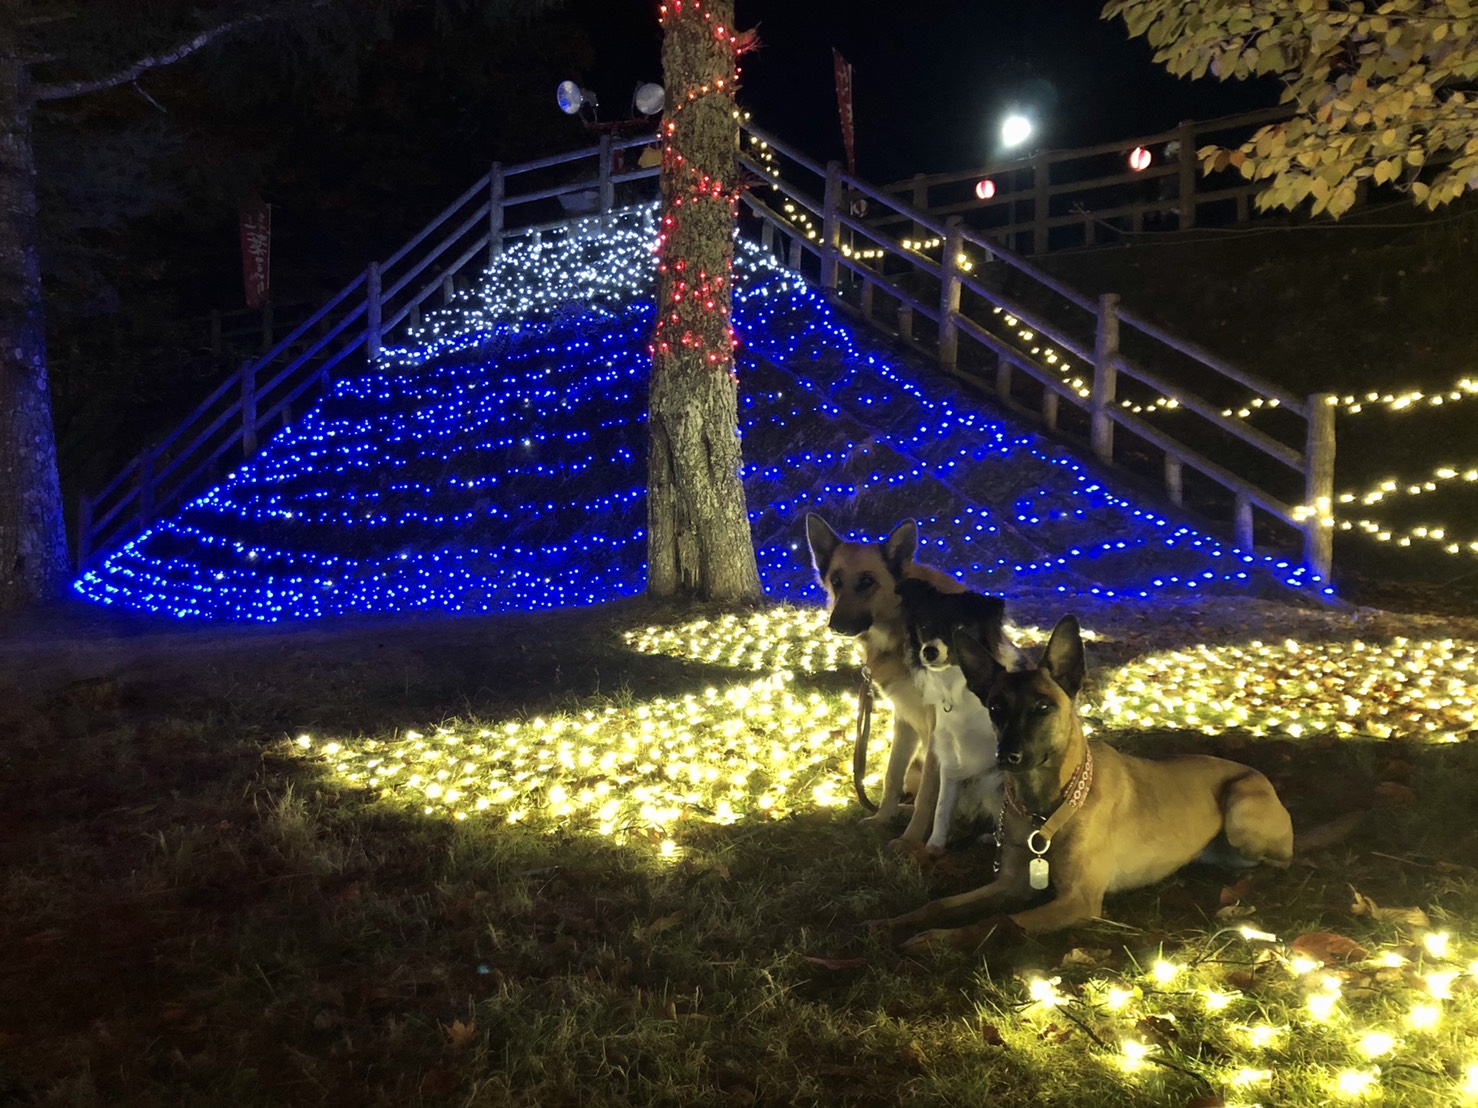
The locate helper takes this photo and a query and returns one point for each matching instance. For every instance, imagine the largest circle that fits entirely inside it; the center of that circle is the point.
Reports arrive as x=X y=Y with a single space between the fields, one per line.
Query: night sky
x=931 y=77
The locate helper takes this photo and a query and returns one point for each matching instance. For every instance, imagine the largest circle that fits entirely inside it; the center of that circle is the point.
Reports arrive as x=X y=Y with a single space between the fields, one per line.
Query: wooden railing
x=1054 y=199
x=963 y=294
x=348 y=332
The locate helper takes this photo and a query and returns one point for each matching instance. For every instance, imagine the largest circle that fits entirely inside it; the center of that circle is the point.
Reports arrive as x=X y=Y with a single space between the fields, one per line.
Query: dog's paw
x=996 y=929
x=912 y=849
x=940 y=938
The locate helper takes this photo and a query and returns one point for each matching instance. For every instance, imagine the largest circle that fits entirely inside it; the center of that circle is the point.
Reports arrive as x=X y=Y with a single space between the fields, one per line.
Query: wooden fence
x=888 y=278
x=1055 y=199
x=948 y=296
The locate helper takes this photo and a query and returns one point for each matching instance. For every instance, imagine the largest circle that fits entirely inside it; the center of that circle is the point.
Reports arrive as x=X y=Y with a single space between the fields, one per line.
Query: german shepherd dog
x=1081 y=819
x=861 y=581
x=964 y=739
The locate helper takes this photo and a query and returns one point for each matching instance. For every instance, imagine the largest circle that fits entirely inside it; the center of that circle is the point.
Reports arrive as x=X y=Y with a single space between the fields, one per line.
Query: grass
x=201 y=910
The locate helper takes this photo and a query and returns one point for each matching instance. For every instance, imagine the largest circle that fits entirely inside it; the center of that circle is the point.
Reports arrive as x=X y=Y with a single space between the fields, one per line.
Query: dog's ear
x=1011 y=657
x=1063 y=658
x=975 y=660
x=986 y=612
x=911 y=590
x=985 y=616
x=822 y=540
x=900 y=546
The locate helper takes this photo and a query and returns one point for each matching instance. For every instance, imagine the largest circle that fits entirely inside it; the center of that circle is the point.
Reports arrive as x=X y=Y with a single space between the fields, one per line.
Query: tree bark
x=33 y=538
x=698 y=538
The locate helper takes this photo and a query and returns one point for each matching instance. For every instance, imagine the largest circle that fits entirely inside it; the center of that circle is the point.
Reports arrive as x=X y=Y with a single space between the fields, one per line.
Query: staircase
x=212 y=555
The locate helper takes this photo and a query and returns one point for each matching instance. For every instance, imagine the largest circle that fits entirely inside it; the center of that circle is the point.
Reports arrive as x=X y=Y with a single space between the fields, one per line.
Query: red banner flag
x=843 y=71
x=256 y=253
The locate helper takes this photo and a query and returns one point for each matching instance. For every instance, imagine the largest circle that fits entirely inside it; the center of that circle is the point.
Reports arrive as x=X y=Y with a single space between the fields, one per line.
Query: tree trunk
x=33 y=538
x=698 y=539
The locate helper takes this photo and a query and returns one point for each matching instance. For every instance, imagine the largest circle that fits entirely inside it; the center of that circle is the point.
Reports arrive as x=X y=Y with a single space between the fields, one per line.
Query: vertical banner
x=843 y=71
x=256 y=253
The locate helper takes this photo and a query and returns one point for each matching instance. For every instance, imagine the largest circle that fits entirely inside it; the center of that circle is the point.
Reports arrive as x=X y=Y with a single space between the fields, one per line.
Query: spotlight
x=571 y=98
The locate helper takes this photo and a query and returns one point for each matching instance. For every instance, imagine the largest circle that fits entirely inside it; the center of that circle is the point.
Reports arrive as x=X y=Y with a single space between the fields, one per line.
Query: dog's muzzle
x=849 y=625
x=931 y=653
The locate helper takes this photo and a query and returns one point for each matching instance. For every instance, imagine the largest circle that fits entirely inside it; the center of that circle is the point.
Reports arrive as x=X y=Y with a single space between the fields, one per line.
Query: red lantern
x=985 y=188
x=1139 y=159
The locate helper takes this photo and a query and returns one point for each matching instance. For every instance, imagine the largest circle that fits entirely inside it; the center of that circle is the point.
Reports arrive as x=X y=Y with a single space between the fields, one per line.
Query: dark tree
x=698 y=538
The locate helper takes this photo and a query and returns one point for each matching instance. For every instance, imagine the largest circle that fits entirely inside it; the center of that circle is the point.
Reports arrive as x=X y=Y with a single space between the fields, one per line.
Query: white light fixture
x=1015 y=129
x=649 y=98
x=571 y=98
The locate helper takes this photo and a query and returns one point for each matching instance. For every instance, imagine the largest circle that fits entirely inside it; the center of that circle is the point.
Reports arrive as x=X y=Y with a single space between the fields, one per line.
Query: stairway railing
x=971 y=288
x=351 y=327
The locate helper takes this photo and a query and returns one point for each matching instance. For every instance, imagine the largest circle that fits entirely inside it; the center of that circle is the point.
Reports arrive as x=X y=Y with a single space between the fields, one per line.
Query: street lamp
x=1015 y=130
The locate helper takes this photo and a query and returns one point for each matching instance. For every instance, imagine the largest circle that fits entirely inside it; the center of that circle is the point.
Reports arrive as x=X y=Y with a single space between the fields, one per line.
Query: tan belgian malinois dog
x=860 y=580
x=1081 y=819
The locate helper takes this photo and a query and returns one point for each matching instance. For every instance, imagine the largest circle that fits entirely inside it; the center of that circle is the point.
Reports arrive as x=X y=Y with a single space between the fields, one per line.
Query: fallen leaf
x=990 y=1034
x=461 y=1034
x=1054 y=1034
x=1236 y=894
x=837 y=963
x=1328 y=834
x=1393 y=792
x=1242 y=979
x=1363 y=906
x=1326 y=946
x=1084 y=956
x=1159 y=1028
x=1236 y=911
x=1206 y=1102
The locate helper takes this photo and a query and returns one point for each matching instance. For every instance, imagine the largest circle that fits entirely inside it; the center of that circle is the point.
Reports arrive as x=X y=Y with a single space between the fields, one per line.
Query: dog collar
x=1073 y=797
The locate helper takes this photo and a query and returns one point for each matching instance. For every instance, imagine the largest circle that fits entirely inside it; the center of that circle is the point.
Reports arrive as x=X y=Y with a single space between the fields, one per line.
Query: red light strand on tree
x=695 y=187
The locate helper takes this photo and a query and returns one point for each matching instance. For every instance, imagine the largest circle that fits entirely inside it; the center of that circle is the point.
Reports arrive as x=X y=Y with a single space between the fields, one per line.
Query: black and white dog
x=964 y=741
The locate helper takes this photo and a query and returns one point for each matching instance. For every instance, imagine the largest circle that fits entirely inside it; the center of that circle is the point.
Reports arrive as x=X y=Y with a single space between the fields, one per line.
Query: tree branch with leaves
x=1382 y=93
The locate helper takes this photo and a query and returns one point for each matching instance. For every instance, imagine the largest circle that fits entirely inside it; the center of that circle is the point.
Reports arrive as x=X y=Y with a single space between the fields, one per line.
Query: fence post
x=1319 y=485
x=496 y=192
x=920 y=198
x=248 y=408
x=1174 y=480
x=266 y=326
x=448 y=289
x=831 y=236
x=1242 y=522
x=372 y=312
x=905 y=321
x=1041 y=174
x=1105 y=376
x=84 y=529
x=146 y=485
x=949 y=292
x=1188 y=176
x=607 y=188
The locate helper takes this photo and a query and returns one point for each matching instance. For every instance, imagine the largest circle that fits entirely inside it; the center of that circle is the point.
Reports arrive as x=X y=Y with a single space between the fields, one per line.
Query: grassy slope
x=1383 y=301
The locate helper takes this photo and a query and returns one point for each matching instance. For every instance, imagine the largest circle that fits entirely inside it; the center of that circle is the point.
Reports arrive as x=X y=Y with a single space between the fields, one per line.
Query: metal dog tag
x=1036 y=872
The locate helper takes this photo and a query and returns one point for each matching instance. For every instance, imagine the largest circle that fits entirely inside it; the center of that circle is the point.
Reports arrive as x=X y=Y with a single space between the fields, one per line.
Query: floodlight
x=649 y=98
x=1015 y=129
x=571 y=97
